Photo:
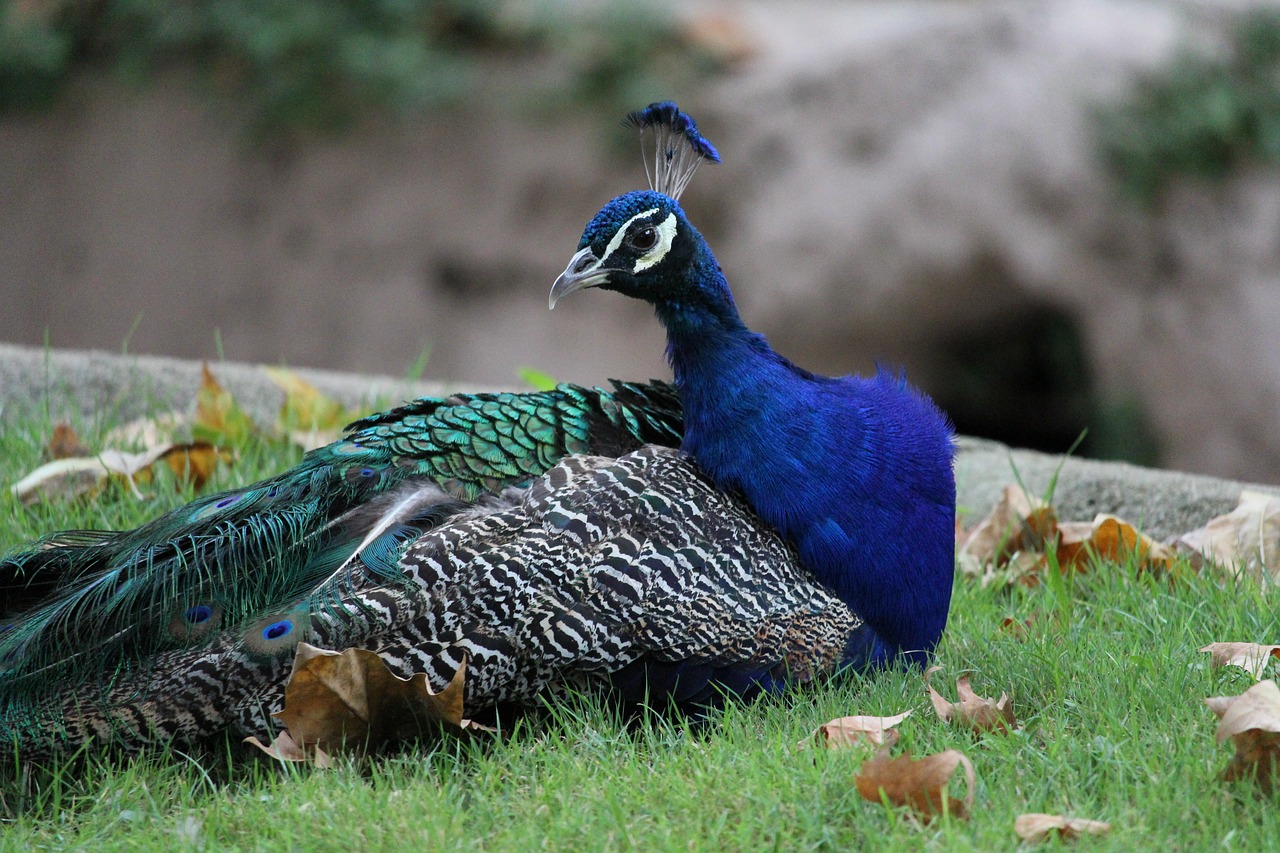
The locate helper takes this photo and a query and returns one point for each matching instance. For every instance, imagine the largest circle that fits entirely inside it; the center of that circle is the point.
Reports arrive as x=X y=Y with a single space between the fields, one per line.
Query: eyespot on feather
x=278 y=633
x=195 y=621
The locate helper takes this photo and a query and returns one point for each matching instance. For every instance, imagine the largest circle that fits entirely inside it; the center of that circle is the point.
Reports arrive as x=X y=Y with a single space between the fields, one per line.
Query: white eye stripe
x=666 y=233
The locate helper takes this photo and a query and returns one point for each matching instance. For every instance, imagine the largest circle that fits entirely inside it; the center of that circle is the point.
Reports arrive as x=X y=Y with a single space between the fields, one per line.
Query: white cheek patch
x=666 y=233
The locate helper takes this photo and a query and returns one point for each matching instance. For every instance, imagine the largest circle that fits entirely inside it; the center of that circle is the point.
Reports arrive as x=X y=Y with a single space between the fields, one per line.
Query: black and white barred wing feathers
x=631 y=574
x=609 y=568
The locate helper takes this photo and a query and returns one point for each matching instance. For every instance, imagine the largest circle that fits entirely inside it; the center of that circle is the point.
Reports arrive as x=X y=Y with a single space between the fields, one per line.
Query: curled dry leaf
x=977 y=712
x=853 y=731
x=918 y=783
x=352 y=700
x=1248 y=656
x=1244 y=543
x=1038 y=827
x=81 y=476
x=1010 y=545
x=284 y=748
x=1252 y=722
x=1116 y=540
x=1017 y=523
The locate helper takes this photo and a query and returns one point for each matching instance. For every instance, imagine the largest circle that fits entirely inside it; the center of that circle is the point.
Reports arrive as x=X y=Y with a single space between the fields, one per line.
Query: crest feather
x=678 y=147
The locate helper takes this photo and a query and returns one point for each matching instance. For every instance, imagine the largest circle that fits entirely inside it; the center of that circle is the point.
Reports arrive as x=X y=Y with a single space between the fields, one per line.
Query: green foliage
x=1201 y=117
x=299 y=64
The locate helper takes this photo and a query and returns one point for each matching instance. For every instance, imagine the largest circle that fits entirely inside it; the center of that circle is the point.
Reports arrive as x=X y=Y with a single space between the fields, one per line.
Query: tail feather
x=78 y=600
x=631 y=574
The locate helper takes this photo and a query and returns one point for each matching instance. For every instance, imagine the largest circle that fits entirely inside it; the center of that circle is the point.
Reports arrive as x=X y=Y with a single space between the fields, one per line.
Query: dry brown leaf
x=65 y=443
x=1252 y=657
x=1035 y=828
x=1117 y=540
x=352 y=700
x=219 y=420
x=82 y=476
x=1009 y=546
x=1074 y=538
x=918 y=783
x=1017 y=523
x=283 y=748
x=855 y=731
x=1252 y=722
x=61 y=479
x=195 y=462
x=1244 y=543
x=308 y=417
x=978 y=713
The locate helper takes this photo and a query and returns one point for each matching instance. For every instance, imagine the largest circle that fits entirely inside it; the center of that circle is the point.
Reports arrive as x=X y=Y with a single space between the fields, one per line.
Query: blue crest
x=678 y=147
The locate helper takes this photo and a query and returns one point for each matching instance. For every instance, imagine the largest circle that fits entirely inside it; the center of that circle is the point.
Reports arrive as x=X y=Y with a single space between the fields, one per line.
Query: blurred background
x=1058 y=215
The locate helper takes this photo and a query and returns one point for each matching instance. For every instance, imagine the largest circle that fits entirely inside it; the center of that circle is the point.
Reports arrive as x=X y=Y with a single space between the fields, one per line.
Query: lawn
x=1107 y=685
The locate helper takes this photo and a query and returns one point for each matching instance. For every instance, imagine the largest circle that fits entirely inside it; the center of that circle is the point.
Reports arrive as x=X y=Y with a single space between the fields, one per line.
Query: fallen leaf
x=62 y=479
x=918 y=783
x=352 y=700
x=219 y=420
x=1017 y=523
x=195 y=462
x=307 y=417
x=65 y=443
x=852 y=731
x=1252 y=722
x=81 y=476
x=1251 y=657
x=1010 y=545
x=1074 y=538
x=1244 y=543
x=1116 y=540
x=284 y=748
x=1035 y=828
x=978 y=713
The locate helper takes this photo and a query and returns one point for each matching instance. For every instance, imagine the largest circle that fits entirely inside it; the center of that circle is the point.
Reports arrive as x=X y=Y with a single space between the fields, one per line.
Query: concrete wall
x=897 y=174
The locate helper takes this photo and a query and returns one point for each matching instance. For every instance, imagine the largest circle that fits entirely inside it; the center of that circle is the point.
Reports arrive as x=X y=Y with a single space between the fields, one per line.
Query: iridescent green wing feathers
x=92 y=598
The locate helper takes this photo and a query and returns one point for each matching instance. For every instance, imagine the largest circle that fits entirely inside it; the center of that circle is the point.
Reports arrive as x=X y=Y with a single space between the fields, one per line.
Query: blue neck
x=856 y=473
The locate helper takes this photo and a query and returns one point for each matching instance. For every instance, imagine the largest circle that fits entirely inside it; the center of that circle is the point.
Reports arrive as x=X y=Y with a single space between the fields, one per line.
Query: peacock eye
x=644 y=239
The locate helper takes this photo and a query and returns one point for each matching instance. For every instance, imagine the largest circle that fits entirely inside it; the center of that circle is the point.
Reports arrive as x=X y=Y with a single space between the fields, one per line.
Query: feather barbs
x=678 y=147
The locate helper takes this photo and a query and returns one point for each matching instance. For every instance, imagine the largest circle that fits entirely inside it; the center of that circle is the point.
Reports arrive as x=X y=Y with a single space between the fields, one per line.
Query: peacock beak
x=583 y=271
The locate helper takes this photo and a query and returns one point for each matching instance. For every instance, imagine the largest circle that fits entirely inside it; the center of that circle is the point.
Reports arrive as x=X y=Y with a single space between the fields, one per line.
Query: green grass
x=1109 y=686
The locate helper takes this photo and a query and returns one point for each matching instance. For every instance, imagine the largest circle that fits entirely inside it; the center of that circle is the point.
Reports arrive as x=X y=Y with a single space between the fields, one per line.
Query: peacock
x=754 y=526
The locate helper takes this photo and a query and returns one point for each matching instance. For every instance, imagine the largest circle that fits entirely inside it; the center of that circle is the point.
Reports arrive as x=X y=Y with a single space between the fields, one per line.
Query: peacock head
x=641 y=244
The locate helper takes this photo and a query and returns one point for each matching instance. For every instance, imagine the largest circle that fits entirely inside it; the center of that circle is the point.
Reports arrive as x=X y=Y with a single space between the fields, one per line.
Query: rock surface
x=82 y=386
x=898 y=175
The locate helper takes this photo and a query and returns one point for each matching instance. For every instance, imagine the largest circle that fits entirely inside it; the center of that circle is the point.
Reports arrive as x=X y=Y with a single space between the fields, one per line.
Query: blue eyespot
x=199 y=613
x=276 y=630
x=227 y=501
x=367 y=472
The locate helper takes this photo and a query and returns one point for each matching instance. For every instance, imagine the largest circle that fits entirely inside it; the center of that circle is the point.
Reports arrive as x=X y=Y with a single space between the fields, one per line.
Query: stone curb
x=81 y=386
